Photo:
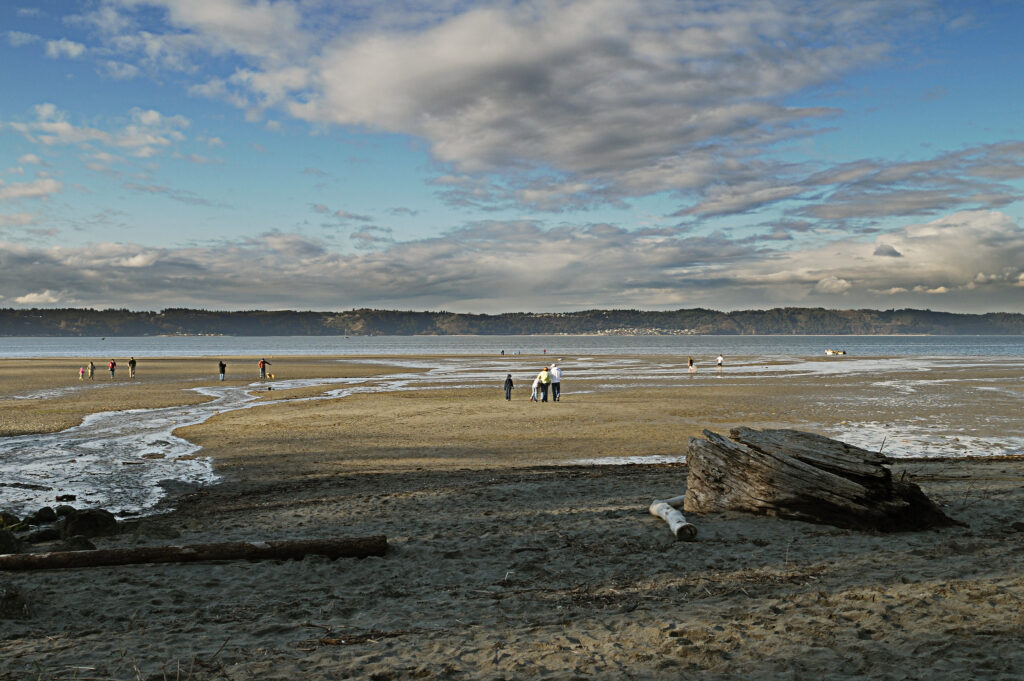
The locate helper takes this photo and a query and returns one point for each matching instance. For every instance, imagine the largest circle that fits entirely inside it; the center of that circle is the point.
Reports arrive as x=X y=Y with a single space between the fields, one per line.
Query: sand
x=506 y=561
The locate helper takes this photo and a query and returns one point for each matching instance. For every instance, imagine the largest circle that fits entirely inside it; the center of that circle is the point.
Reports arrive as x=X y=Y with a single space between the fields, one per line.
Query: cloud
x=887 y=251
x=55 y=49
x=46 y=297
x=18 y=38
x=552 y=105
x=41 y=188
x=971 y=261
x=17 y=219
x=181 y=196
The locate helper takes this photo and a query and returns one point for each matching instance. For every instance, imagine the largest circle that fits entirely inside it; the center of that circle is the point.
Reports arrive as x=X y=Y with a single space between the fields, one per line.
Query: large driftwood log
x=357 y=547
x=793 y=474
x=668 y=510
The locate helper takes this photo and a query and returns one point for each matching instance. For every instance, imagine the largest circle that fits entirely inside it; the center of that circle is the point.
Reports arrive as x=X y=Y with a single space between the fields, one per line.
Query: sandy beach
x=514 y=550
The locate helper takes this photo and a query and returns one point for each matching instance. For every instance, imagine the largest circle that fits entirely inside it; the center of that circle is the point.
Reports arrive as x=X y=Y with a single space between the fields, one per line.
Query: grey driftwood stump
x=803 y=476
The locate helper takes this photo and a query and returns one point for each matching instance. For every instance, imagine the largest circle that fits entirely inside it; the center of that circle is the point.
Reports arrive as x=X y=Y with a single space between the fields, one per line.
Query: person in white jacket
x=556 y=381
x=536 y=387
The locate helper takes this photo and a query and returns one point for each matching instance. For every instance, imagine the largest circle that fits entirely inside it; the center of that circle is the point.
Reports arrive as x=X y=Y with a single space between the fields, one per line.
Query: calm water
x=748 y=346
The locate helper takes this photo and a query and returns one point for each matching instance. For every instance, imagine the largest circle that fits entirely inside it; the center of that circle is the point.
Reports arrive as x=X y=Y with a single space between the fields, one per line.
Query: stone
x=44 y=516
x=8 y=542
x=43 y=535
x=64 y=510
x=90 y=522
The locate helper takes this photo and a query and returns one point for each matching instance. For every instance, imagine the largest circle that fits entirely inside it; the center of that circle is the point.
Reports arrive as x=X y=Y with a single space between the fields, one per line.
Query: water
x=698 y=346
x=122 y=460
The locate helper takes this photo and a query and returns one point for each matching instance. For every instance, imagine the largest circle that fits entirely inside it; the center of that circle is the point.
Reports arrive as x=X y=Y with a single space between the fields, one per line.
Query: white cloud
x=18 y=38
x=41 y=188
x=56 y=49
x=46 y=297
x=832 y=285
x=30 y=159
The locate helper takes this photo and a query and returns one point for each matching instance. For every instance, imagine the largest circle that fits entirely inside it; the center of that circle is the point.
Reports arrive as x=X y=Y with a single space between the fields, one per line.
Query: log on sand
x=355 y=547
x=668 y=510
x=803 y=476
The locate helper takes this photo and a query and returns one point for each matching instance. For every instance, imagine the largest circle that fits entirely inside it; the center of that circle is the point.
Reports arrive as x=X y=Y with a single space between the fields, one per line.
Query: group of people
x=89 y=370
x=548 y=380
x=692 y=368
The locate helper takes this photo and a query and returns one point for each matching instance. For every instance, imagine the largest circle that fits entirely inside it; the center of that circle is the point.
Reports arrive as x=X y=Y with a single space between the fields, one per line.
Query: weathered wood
x=804 y=476
x=667 y=510
x=354 y=547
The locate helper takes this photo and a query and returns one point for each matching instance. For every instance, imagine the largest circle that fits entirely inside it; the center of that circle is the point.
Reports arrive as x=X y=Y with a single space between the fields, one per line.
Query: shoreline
x=504 y=562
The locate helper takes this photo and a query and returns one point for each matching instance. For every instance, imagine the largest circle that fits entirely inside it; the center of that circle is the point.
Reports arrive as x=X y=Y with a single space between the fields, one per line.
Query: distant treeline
x=364 y=322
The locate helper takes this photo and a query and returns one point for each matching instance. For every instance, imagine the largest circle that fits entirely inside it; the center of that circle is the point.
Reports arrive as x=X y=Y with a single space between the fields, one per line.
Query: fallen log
x=803 y=476
x=668 y=510
x=355 y=547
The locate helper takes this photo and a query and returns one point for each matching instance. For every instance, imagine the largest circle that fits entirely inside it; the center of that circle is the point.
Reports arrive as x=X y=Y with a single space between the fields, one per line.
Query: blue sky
x=511 y=156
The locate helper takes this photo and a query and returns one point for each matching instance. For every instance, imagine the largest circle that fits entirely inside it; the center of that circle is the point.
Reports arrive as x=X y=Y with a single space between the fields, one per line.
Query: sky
x=508 y=156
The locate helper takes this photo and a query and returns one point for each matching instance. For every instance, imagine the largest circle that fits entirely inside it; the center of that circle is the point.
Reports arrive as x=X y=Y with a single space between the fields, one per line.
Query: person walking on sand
x=263 y=364
x=508 y=387
x=222 y=369
x=536 y=387
x=556 y=382
x=81 y=373
x=545 y=382
x=131 y=368
x=689 y=365
x=91 y=370
x=112 y=365
x=718 y=362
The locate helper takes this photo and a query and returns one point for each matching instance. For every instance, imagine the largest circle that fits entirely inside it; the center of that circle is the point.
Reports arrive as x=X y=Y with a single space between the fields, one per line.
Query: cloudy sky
x=512 y=156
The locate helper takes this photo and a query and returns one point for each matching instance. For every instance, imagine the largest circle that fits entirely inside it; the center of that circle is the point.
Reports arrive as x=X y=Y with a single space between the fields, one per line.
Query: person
x=91 y=370
x=112 y=365
x=222 y=369
x=81 y=373
x=502 y=353
x=508 y=387
x=131 y=368
x=536 y=387
x=718 y=362
x=690 y=367
x=263 y=364
x=556 y=382
x=545 y=381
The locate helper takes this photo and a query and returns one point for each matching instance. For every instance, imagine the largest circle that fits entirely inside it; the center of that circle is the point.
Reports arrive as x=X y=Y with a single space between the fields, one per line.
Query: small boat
x=830 y=351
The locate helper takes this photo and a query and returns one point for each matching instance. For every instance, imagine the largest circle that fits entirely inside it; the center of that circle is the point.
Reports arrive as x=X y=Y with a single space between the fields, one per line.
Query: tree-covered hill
x=367 y=322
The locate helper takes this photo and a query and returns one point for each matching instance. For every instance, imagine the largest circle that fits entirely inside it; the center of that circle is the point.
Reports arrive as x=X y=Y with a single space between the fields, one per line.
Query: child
x=536 y=387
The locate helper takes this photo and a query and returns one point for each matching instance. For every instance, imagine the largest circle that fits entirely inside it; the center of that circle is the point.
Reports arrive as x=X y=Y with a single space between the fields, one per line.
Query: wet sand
x=508 y=562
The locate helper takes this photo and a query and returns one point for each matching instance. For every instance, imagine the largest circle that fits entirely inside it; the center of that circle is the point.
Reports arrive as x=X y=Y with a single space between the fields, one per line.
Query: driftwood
x=803 y=476
x=356 y=547
x=668 y=510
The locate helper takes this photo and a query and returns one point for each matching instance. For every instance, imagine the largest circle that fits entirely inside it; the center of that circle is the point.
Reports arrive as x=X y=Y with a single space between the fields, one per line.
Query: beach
x=519 y=545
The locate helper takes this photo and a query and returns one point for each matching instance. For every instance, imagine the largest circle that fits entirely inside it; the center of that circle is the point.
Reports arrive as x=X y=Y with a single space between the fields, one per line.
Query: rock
x=65 y=497
x=90 y=522
x=64 y=510
x=79 y=543
x=8 y=542
x=8 y=519
x=42 y=535
x=44 y=516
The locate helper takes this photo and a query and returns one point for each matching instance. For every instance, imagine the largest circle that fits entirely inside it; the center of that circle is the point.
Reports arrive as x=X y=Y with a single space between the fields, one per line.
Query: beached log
x=803 y=476
x=355 y=547
x=668 y=510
